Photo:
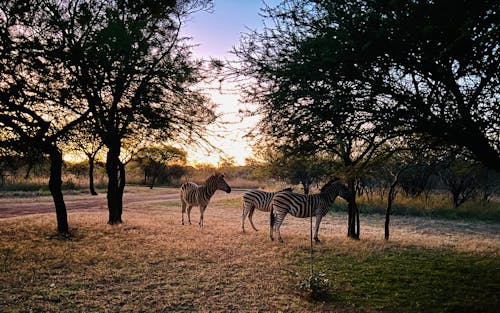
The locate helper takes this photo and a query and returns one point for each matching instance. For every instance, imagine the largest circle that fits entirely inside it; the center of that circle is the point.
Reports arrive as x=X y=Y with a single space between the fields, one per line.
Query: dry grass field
x=152 y=263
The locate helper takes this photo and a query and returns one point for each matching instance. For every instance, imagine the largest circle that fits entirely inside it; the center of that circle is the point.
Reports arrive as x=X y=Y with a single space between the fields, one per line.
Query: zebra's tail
x=271 y=219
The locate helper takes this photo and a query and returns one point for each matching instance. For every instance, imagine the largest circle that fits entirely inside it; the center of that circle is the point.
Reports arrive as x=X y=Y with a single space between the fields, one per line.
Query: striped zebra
x=256 y=199
x=303 y=206
x=194 y=195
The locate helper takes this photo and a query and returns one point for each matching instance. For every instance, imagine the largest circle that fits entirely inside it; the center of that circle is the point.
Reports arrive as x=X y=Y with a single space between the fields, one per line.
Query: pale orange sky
x=216 y=33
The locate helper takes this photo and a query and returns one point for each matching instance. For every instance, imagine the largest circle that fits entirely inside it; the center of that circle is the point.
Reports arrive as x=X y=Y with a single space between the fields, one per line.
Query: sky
x=215 y=34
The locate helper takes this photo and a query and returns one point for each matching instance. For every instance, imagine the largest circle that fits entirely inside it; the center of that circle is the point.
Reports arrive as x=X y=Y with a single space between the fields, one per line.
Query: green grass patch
x=399 y=279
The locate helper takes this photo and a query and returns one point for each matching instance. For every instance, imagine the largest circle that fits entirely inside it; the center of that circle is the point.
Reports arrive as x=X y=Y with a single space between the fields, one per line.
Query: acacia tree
x=135 y=71
x=299 y=170
x=154 y=161
x=37 y=104
x=460 y=176
x=422 y=67
x=85 y=140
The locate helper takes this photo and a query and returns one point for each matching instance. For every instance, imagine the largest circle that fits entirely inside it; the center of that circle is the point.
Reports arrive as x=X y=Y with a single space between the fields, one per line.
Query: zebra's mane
x=214 y=177
x=329 y=184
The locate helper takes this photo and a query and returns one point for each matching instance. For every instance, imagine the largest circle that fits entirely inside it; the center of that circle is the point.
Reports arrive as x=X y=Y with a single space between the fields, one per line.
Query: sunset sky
x=216 y=33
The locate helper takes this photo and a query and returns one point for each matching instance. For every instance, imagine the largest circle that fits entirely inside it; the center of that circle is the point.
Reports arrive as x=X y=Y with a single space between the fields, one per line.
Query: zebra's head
x=331 y=189
x=221 y=183
x=341 y=189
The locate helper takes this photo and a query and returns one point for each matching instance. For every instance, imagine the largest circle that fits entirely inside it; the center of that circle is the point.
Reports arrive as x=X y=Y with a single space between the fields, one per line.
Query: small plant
x=316 y=286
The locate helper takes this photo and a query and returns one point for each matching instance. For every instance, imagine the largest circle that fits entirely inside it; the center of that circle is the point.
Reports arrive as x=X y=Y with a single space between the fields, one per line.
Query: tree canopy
x=380 y=69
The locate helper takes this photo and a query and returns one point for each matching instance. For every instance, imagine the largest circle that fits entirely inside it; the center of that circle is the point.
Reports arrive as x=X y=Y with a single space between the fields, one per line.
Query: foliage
x=460 y=177
x=136 y=69
x=316 y=287
x=300 y=170
x=327 y=75
x=37 y=109
x=158 y=163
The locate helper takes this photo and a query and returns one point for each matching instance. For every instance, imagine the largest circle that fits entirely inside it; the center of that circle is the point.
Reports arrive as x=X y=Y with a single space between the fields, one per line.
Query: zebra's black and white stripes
x=194 y=195
x=302 y=206
x=256 y=199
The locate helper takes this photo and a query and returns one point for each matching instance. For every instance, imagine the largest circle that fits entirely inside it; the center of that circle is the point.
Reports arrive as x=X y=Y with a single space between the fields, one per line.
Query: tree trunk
x=306 y=187
x=353 y=228
x=114 y=195
x=152 y=183
x=390 y=197
x=456 y=198
x=55 y=186
x=91 y=176
x=479 y=145
x=121 y=187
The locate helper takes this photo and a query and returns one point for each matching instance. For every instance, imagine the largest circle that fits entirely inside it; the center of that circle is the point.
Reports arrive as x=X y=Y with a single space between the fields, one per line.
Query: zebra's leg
x=318 y=221
x=202 y=210
x=250 y=215
x=279 y=220
x=243 y=216
x=271 y=228
x=189 y=213
x=183 y=210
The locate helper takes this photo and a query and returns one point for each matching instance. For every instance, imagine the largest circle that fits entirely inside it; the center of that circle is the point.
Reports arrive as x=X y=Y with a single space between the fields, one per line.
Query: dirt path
x=136 y=197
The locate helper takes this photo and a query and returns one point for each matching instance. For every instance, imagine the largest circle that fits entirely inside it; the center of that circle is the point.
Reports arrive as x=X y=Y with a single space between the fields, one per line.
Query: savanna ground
x=152 y=263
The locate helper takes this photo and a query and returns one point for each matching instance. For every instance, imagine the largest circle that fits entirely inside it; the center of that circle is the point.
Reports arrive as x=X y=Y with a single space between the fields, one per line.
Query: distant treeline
x=462 y=181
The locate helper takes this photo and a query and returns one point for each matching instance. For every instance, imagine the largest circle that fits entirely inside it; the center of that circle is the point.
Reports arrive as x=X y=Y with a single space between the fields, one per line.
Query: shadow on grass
x=399 y=279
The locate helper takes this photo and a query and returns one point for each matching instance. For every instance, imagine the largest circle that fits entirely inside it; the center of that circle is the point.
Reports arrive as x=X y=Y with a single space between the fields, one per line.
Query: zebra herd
x=279 y=203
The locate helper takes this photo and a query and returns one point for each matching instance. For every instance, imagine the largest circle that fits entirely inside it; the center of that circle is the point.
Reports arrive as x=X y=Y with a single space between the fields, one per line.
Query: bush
x=316 y=287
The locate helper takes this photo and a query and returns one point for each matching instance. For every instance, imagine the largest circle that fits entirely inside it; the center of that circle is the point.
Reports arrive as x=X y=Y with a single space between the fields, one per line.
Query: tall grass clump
x=437 y=206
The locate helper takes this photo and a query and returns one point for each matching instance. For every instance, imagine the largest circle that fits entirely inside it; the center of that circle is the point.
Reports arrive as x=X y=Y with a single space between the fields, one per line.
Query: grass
x=151 y=263
x=410 y=279
x=439 y=208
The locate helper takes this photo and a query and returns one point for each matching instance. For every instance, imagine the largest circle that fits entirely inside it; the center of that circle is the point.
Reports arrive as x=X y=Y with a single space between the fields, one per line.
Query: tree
x=9 y=163
x=461 y=177
x=85 y=140
x=488 y=183
x=135 y=72
x=154 y=161
x=299 y=170
x=37 y=107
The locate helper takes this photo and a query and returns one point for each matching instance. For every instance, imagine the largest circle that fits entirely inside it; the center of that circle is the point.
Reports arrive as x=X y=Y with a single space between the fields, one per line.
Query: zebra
x=193 y=195
x=302 y=206
x=256 y=199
